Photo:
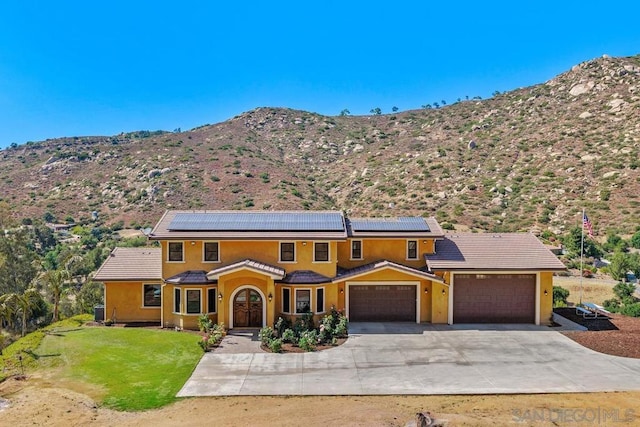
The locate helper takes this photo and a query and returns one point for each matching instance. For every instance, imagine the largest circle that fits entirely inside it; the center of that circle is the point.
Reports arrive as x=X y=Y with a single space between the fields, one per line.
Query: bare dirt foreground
x=31 y=403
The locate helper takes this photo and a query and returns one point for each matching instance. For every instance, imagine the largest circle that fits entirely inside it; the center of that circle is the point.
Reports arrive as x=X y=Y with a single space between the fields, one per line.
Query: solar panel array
x=389 y=224
x=257 y=221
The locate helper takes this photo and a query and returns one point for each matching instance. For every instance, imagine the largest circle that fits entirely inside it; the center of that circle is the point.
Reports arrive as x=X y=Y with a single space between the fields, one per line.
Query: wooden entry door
x=247 y=309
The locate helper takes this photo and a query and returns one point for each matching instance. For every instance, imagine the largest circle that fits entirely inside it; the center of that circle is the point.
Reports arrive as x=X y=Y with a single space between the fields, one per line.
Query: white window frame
x=204 y=244
x=324 y=302
x=311 y=300
x=179 y=293
x=280 y=260
x=417 y=257
x=169 y=252
x=215 y=300
x=288 y=311
x=186 y=302
x=152 y=306
x=351 y=250
x=328 y=253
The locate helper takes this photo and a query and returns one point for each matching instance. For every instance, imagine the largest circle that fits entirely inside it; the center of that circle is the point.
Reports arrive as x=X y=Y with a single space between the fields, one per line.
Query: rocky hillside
x=527 y=159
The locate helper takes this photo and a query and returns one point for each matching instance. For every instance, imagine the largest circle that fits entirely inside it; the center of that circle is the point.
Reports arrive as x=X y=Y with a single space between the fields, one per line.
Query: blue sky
x=73 y=68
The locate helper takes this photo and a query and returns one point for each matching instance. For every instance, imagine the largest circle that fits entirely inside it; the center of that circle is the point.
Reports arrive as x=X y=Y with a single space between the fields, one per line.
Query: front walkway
x=421 y=360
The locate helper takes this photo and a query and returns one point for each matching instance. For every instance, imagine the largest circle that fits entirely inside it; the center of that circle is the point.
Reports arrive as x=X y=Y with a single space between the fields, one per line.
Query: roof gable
x=377 y=266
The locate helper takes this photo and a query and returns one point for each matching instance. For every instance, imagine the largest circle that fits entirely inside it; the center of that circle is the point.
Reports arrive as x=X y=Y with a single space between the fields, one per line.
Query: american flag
x=586 y=224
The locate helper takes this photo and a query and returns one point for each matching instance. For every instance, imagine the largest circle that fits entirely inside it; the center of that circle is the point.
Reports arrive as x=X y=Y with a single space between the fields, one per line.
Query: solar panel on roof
x=257 y=221
x=389 y=224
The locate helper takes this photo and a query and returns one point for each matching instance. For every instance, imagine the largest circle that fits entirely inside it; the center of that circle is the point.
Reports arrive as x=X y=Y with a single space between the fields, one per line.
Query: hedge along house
x=247 y=268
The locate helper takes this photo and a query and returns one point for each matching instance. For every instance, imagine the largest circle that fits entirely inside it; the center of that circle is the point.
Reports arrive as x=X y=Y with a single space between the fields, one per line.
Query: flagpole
x=581 y=252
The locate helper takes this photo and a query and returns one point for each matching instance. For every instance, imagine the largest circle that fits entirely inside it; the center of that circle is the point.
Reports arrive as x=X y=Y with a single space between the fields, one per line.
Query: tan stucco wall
x=183 y=320
x=126 y=299
x=546 y=301
x=378 y=249
x=264 y=251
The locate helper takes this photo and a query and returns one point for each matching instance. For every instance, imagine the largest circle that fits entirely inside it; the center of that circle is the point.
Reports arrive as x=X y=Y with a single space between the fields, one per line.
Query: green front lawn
x=137 y=368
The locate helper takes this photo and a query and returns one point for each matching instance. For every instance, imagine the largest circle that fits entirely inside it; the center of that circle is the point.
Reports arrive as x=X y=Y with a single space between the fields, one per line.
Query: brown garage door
x=494 y=298
x=382 y=303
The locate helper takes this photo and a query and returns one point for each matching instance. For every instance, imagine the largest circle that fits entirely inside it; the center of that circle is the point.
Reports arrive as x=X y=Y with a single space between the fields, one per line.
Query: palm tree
x=6 y=311
x=56 y=282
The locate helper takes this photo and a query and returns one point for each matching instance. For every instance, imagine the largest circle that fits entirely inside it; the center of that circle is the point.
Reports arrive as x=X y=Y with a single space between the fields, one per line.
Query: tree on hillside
x=345 y=112
x=619 y=266
x=635 y=240
x=17 y=269
x=25 y=305
x=572 y=244
x=394 y=109
x=377 y=111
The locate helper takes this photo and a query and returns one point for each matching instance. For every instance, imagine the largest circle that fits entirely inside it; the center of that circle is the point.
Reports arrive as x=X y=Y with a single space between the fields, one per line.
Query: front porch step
x=244 y=332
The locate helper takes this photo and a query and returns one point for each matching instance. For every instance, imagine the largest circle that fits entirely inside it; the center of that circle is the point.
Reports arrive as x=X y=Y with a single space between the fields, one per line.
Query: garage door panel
x=494 y=298
x=382 y=303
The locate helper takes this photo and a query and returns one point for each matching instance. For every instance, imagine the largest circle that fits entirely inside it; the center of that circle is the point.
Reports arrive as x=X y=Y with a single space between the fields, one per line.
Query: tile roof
x=260 y=267
x=489 y=251
x=131 y=264
x=380 y=265
x=250 y=225
x=190 y=277
x=305 y=277
x=394 y=227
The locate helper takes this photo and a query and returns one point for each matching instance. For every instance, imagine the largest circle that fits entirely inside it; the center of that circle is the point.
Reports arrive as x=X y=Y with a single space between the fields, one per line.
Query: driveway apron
x=380 y=359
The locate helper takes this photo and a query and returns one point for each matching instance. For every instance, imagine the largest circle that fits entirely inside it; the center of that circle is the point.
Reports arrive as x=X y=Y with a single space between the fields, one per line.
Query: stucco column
x=222 y=304
x=271 y=311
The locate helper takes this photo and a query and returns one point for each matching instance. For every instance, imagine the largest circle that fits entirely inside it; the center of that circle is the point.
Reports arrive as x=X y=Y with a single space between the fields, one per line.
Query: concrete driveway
x=381 y=359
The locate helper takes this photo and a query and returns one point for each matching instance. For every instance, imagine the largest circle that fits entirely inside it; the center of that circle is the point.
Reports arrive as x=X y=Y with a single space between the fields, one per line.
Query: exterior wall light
x=444 y=292
x=270 y=297
x=341 y=290
x=219 y=297
x=426 y=290
x=546 y=292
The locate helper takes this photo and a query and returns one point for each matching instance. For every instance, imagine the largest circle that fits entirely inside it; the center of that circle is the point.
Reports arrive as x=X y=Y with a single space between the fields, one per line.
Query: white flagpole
x=581 y=252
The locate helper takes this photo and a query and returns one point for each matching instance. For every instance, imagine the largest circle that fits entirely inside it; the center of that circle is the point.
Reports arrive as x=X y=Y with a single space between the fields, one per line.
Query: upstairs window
x=412 y=249
x=321 y=252
x=287 y=252
x=175 y=252
x=211 y=253
x=356 y=249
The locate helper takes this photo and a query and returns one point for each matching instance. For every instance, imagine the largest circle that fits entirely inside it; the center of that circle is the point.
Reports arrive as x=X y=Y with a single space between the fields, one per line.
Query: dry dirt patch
x=594 y=290
x=31 y=403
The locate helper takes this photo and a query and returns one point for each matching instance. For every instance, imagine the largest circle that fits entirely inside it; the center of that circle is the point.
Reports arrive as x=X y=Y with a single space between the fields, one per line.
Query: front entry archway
x=247 y=308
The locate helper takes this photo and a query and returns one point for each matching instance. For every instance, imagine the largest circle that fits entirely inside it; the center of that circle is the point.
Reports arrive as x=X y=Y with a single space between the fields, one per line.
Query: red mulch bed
x=614 y=334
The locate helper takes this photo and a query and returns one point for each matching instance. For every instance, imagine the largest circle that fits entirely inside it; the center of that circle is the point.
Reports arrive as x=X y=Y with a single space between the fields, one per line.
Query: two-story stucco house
x=247 y=268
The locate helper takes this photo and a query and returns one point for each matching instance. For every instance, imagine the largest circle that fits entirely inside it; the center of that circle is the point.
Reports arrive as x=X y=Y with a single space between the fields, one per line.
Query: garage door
x=382 y=303
x=494 y=298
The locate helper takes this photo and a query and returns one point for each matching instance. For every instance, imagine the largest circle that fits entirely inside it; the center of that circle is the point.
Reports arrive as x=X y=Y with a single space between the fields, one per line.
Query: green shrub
x=308 y=340
x=281 y=325
x=560 y=296
x=632 y=310
x=204 y=323
x=275 y=345
x=289 y=336
x=266 y=335
x=612 y=305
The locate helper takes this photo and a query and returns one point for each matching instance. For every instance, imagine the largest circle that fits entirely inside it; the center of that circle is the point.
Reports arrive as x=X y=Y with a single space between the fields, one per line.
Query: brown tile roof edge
x=493 y=251
x=131 y=264
x=378 y=265
x=276 y=272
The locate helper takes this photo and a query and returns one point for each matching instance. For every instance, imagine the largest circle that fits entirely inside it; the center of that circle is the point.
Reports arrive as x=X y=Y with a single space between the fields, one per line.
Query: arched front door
x=247 y=309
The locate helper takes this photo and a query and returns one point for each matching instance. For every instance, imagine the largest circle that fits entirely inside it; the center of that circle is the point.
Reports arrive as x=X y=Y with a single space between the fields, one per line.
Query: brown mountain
x=527 y=159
